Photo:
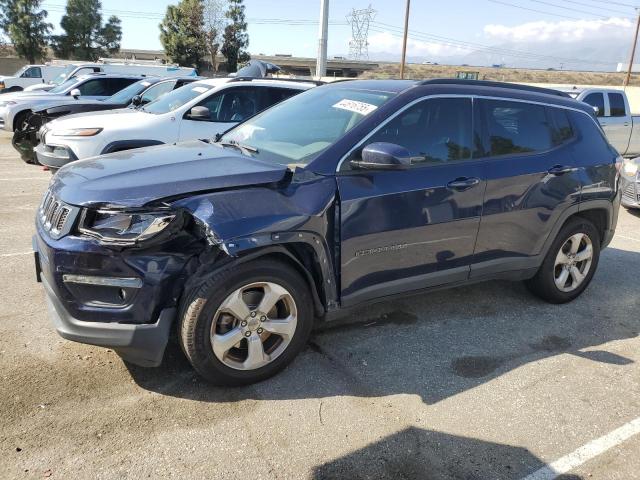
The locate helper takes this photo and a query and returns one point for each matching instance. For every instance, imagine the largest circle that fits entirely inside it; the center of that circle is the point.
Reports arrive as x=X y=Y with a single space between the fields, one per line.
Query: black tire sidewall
x=204 y=303
x=545 y=279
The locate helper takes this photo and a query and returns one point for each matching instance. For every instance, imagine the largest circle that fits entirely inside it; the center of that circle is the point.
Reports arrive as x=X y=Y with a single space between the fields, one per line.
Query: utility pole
x=633 y=50
x=321 y=63
x=404 y=40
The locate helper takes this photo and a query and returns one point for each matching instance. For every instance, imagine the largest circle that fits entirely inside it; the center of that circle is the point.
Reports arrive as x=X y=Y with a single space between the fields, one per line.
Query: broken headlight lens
x=124 y=228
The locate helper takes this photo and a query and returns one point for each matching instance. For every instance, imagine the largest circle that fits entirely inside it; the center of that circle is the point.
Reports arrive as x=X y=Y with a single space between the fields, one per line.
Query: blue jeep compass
x=348 y=193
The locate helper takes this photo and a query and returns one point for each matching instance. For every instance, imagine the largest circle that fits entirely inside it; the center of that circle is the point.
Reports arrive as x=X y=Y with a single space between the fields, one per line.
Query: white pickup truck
x=613 y=112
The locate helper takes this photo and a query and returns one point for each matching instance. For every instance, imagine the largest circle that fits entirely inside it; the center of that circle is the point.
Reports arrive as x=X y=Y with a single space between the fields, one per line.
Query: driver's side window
x=232 y=105
x=33 y=72
x=434 y=131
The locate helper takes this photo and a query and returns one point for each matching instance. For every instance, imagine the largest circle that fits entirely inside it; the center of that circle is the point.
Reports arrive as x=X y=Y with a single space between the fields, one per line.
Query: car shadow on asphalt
x=414 y=453
x=436 y=345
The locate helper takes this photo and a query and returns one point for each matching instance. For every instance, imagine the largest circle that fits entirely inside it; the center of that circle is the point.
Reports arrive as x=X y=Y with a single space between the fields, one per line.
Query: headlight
x=76 y=132
x=124 y=228
x=630 y=168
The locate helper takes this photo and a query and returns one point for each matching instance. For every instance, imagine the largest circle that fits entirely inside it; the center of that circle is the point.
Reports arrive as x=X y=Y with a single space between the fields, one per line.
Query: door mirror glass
x=199 y=113
x=75 y=93
x=383 y=156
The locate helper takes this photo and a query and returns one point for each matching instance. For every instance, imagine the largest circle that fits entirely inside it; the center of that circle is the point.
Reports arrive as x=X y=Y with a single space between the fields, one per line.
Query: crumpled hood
x=133 y=178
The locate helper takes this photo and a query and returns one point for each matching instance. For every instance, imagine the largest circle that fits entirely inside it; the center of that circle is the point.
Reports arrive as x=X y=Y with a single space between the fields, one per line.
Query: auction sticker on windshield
x=199 y=89
x=355 y=106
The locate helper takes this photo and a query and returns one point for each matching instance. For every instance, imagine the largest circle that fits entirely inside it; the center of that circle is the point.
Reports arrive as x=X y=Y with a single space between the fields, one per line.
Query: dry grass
x=390 y=70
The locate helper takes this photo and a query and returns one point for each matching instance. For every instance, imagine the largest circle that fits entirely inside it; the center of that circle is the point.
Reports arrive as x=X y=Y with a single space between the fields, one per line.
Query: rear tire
x=231 y=333
x=570 y=263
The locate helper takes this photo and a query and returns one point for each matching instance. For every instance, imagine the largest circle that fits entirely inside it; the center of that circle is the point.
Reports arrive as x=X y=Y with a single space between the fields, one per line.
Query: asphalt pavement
x=480 y=382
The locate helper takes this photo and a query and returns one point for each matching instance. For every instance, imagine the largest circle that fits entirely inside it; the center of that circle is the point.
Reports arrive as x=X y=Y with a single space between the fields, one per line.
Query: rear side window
x=114 y=85
x=596 y=100
x=276 y=95
x=562 y=129
x=516 y=128
x=616 y=105
x=434 y=131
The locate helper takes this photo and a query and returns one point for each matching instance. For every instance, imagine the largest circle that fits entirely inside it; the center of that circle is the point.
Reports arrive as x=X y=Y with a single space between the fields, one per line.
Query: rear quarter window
x=562 y=129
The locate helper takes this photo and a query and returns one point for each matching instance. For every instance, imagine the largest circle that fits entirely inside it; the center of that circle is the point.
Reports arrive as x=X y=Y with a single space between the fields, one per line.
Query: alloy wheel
x=253 y=325
x=573 y=262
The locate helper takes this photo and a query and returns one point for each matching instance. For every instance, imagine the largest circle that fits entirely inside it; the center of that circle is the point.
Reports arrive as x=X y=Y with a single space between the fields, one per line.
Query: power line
x=599 y=8
x=569 y=8
x=533 y=10
x=620 y=4
x=422 y=36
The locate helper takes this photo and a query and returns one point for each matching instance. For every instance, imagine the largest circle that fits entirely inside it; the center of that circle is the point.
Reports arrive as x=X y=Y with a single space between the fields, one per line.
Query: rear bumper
x=142 y=345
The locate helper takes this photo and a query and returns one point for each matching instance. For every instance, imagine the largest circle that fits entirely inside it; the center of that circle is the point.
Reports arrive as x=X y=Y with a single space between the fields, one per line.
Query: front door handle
x=463 y=183
x=560 y=169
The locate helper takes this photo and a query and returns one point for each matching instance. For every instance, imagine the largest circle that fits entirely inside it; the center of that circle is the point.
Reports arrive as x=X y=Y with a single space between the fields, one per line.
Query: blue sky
x=487 y=22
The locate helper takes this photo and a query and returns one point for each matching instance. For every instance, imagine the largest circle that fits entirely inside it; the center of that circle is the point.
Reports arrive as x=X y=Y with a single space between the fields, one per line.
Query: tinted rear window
x=562 y=129
x=516 y=127
x=616 y=105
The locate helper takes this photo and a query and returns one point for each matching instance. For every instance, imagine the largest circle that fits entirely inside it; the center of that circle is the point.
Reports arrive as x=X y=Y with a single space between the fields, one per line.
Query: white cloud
x=386 y=42
x=566 y=31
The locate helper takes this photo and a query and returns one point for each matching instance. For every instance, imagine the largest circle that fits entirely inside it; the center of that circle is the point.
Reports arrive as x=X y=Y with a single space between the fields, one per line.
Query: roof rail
x=276 y=79
x=485 y=83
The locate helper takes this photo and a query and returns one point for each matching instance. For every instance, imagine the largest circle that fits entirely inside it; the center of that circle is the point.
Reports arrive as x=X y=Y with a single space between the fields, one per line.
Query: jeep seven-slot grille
x=56 y=217
x=630 y=192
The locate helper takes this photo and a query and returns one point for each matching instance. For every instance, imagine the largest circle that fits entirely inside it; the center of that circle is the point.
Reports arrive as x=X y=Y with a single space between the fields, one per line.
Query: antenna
x=359 y=21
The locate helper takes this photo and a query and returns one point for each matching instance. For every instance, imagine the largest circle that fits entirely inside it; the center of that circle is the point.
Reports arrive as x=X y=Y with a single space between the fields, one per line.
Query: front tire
x=246 y=323
x=570 y=263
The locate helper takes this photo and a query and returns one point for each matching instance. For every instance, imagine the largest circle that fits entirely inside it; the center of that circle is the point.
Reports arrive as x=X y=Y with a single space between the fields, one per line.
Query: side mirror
x=75 y=93
x=597 y=110
x=136 y=101
x=199 y=113
x=383 y=156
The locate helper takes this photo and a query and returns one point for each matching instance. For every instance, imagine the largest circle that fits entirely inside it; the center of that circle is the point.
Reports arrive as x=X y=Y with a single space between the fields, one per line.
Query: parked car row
x=272 y=205
x=46 y=76
x=135 y=95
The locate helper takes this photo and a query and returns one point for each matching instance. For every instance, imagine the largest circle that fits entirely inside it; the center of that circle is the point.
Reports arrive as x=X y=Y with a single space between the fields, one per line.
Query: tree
x=182 y=33
x=85 y=37
x=23 y=21
x=214 y=23
x=236 y=38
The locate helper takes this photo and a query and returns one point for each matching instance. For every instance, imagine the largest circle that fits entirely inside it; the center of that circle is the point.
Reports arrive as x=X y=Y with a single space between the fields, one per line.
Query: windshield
x=21 y=71
x=61 y=78
x=298 y=129
x=174 y=100
x=126 y=94
x=64 y=86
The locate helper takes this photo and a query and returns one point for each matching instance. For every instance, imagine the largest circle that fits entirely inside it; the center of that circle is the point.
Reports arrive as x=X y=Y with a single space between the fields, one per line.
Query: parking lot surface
x=481 y=382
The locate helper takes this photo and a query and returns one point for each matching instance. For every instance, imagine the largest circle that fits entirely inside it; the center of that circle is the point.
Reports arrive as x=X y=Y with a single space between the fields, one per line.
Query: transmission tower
x=359 y=43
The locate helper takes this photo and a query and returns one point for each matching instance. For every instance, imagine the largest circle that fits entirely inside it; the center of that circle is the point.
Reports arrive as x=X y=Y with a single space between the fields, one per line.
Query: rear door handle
x=463 y=183
x=560 y=169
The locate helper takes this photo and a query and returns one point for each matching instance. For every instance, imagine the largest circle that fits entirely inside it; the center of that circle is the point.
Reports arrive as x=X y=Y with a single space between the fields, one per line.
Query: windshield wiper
x=243 y=148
